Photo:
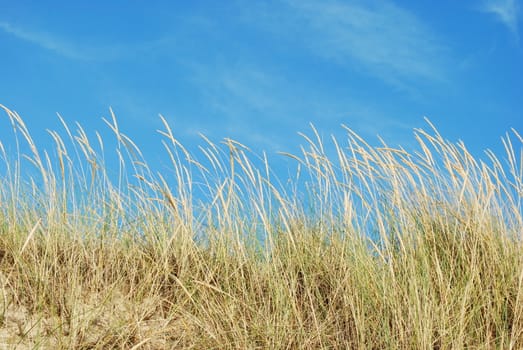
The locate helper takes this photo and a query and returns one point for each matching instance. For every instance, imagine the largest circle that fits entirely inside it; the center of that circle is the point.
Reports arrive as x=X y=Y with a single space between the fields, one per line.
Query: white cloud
x=374 y=36
x=43 y=40
x=506 y=11
x=75 y=50
x=246 y=100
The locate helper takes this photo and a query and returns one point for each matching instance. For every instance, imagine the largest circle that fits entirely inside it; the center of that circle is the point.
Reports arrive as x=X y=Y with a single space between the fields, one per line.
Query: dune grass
x=365 y=248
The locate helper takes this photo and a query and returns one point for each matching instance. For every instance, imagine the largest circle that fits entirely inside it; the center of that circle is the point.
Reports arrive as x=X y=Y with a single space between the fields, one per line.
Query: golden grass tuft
x=367 y=247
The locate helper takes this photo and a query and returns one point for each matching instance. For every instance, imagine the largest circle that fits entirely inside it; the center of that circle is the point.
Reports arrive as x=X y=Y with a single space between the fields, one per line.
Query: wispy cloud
x=71 y=49
x=244 y=101
x=506 y=11
x=374 y=36
x=43 y=40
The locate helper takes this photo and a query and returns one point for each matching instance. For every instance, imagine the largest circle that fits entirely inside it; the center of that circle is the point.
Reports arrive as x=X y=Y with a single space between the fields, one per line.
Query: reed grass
x=367 y=247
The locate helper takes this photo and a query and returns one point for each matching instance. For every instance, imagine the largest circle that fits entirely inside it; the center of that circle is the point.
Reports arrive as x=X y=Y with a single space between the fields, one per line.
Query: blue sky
x=261 y=71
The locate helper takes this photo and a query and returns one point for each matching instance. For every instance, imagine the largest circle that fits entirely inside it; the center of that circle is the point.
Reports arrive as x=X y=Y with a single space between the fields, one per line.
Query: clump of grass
x=377 y=248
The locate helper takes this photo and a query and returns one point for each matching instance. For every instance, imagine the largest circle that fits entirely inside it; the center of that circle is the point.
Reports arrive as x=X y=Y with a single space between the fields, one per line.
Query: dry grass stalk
x=368 y=247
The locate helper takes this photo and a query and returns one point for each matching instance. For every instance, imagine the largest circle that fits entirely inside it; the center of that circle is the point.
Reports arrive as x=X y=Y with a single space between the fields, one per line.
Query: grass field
x=365 y=248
